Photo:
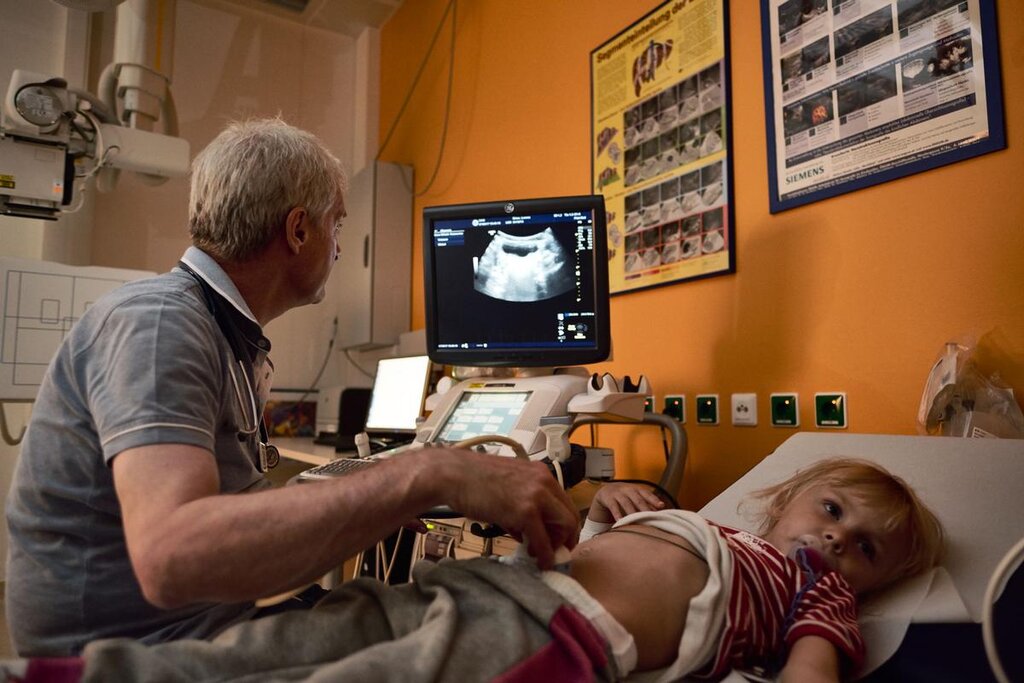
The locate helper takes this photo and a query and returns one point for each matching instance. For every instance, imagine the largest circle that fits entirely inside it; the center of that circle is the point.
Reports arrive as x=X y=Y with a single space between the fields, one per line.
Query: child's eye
x=832 y=509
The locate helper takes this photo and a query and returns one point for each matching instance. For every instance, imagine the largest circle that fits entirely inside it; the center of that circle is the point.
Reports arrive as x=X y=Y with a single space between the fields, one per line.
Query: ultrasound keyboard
x=337 y=468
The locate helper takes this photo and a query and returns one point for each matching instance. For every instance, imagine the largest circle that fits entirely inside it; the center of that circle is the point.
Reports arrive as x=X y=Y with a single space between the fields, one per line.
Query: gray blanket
x=469 y=620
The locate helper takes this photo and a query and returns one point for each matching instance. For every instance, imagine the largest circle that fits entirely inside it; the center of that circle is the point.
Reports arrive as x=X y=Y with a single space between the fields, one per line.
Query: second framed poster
x=861 y=93
x=661 y=145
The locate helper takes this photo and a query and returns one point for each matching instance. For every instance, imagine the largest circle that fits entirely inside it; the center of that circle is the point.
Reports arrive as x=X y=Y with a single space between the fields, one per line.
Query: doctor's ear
x=296 y=228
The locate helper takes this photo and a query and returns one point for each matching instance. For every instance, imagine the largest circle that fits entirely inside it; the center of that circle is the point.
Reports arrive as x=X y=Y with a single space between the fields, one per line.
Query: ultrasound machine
x=516 y=303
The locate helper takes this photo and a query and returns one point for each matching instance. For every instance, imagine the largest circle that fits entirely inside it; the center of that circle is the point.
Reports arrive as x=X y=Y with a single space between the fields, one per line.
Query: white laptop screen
x=398 y=393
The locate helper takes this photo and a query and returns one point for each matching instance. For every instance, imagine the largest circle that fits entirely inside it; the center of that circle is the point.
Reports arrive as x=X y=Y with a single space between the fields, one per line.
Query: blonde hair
x=250 y=176
x=876 y=487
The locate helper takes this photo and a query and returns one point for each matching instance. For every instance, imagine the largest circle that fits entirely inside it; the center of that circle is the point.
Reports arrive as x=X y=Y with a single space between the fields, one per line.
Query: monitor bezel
x=545 y=357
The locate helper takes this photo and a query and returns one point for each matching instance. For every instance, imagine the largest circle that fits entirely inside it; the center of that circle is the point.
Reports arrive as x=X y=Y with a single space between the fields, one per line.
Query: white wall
x=233 y=63
x=229 y=63
x=45 y=38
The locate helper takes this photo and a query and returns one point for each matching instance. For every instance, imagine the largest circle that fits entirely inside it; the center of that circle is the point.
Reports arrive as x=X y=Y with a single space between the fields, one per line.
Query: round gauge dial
x=40 y=105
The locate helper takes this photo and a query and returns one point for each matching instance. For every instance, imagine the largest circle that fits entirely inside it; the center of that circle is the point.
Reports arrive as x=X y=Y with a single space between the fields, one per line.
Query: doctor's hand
x=521 y=497
x=615 y=500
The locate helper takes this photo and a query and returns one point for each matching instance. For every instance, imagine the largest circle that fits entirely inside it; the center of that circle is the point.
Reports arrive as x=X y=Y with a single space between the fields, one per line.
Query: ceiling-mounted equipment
x=54 y=137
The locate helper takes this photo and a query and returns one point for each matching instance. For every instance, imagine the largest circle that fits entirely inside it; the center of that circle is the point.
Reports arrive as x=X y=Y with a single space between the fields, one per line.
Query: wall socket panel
x=831 y=410
x=744 y=410
x=785 y=410
x=675 y=406
x=707 y=409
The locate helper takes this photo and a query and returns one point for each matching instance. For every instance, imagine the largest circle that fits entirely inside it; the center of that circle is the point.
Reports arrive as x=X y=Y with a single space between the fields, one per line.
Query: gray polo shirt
x=145 y=364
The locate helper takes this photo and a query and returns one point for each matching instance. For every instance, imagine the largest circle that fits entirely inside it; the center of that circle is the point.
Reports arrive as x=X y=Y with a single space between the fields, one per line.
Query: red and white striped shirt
x=764 y=585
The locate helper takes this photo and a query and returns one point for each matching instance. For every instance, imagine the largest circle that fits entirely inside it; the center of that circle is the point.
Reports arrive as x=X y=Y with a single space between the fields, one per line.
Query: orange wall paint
x=855 y=293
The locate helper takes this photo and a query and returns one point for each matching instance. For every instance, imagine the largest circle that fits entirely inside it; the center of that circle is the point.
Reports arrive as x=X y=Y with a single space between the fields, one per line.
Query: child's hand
x=615 y=500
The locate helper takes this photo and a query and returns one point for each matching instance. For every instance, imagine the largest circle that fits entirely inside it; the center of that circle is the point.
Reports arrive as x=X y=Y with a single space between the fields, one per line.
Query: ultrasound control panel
x=509 y=407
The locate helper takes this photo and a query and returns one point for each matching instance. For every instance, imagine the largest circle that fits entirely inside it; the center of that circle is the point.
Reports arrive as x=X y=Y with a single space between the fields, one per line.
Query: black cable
x=323 y=366
x=348 y=355
x=416 y=80
x=78 y=129
x=447 y=107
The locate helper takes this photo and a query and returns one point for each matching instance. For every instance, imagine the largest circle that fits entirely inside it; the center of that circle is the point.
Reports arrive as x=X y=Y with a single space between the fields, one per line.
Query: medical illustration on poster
x=660 y=148
x=859 y=92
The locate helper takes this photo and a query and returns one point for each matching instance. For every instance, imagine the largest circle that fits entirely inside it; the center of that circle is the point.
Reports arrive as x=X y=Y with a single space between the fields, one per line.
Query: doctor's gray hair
x=250 y=176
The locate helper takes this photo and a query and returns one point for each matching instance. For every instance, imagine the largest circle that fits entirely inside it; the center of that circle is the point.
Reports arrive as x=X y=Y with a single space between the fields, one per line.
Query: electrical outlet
x=675 y=406
x=785 y=410
x=830 y=410
x=707 y=409
x=744 y=410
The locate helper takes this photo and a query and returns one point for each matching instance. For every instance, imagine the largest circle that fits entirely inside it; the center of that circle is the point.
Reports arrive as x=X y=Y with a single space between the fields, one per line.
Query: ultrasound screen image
x=524 y=268
x=510 y=282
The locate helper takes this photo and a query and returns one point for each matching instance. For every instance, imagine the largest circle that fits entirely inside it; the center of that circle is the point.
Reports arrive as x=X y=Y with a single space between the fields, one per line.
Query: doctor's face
x=850 y=535
x=325 y=250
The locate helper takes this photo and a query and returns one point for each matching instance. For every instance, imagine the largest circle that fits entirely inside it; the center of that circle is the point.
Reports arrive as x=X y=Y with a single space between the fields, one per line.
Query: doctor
x=139 y=506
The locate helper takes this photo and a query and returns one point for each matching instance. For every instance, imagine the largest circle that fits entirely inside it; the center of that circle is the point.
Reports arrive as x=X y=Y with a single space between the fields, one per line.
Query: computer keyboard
x=337 y=468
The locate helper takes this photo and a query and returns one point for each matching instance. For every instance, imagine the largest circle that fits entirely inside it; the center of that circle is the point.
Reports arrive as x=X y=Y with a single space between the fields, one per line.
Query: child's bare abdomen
x=645 y=582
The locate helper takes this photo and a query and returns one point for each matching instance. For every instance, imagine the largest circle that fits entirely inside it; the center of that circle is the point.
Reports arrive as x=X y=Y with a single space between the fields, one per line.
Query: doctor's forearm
x=230 y=548
x=188 y=543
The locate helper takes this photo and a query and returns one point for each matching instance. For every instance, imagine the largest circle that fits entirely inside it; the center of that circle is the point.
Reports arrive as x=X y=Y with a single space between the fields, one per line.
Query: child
x=705 y=598
x=664 y=589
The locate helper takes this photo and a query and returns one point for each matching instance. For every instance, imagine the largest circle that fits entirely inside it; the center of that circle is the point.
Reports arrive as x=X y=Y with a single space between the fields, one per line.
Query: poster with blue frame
x=861 y=92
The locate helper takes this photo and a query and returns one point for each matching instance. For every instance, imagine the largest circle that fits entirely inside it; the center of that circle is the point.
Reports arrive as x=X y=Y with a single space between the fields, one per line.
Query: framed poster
x=661 y=145
x=859 y=92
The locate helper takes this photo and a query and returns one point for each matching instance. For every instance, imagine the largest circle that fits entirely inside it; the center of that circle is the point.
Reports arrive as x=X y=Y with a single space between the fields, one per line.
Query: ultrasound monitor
x=517 y=283
x=396 y=402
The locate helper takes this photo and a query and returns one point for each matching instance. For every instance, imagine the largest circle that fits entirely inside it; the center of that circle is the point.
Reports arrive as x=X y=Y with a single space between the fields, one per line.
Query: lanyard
x=267 y=455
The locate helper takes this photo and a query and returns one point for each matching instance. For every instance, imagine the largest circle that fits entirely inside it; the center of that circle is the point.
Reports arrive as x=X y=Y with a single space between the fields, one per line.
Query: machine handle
x=366 y=251
x=672 y=477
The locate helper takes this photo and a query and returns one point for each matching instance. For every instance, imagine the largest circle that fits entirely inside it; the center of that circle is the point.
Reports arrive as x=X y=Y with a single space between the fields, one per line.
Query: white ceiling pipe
x=143 y=59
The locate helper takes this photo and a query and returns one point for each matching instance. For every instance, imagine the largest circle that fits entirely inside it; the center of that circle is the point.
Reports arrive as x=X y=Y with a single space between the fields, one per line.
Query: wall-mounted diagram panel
x=40 y=302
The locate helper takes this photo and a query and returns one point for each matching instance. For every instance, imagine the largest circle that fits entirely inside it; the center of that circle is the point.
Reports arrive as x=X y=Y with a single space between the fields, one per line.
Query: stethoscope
x=249 y=408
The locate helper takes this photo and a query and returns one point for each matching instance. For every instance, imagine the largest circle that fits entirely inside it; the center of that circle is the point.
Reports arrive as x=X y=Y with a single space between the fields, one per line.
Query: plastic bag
x=959 y=400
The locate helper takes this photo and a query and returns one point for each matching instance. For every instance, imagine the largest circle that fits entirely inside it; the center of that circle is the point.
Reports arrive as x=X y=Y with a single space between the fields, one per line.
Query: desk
x=304 y=450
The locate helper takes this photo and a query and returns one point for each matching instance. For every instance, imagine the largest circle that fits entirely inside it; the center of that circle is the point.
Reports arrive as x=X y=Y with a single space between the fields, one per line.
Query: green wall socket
x=707 y=409
x=785 y=410
x=675 y=406
x=830 y=410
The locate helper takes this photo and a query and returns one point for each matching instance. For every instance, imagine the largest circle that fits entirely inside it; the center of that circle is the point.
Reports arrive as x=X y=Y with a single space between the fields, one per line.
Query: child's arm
x=615 y=500
x=811 y=659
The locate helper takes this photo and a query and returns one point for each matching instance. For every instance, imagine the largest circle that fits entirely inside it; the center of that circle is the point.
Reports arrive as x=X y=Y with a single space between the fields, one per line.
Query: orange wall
x=855 y=293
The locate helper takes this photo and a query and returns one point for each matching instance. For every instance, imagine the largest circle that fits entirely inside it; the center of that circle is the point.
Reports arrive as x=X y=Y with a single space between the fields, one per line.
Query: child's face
x=850 y=535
